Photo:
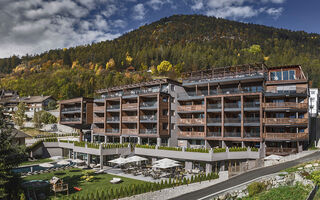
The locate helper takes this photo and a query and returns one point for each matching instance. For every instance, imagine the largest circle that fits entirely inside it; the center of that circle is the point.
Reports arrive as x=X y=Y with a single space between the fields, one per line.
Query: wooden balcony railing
x=191 y=108
x=129 y=118
x=130 y=131
x=286 y=136
x=191 y=121
x=130 y=106
x=192 y=134
x=98 y=119
x=98 y=130
x=286 y=105
x=285 y=121
x=280 y=151
x=98 y=108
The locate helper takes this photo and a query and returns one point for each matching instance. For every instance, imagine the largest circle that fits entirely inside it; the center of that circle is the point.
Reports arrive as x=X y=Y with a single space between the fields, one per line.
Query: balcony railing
x=251 y=120
x=98 y=119
x=286 y=105
x=228 y=91
x=130 y=106
x=286 y=136
x=98 y=130
x=192 y=134
x=148 y=131
x=252 y=134
x=191 y=108
x=191 y=121
x=289 y=121
x=232 y=105
x=214 y=120
x=113 y=107
x=70 y=119
x=129 y=118
x=113 y=119
x=298 y=90
x=232 y=120
x=280 y=151
x=148 y=117
x=134 y=92
x=76 y=109
x=232 y=134
x=112 y=130
x=129 y=131
x=213 y=134
x=214 y=106
x=148 y=104
x=98 y=108
x=251 y=105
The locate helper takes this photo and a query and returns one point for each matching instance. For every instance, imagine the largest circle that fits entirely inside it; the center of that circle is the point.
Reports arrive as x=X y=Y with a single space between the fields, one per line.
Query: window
x=292 y=75
x=165 y=126
x=172 y=99
x=172 y=113
x=272 y=76
x=285 y=75
x=301 y=115
x=172 y=126
x=278 y=76
x=172 y=88
x=165 y=112
x=165 y=99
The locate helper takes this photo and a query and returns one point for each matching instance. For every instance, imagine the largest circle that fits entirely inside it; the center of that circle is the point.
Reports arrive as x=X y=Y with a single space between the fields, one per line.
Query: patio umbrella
x=77 y=161
x=46 y=165
x=135 y=159
x=166 y=165
x=165 y=160
x=63 y=162
x=118 y=161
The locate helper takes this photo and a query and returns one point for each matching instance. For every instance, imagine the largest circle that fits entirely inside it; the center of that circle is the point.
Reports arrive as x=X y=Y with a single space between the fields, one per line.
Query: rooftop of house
x=29 y=99
x=19 y=134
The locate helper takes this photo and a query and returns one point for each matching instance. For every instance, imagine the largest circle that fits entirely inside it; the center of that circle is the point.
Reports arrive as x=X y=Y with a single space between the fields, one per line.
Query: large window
x=292 y=75
x=285 y=75
x=278 y=76
x=272 y=76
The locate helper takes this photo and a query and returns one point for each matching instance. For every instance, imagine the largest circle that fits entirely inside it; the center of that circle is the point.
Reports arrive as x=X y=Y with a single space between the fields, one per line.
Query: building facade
x=239 y=106
x=314 y=102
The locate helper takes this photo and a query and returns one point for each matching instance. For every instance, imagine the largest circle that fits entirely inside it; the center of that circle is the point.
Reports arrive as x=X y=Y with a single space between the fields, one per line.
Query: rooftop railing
x=70 y=119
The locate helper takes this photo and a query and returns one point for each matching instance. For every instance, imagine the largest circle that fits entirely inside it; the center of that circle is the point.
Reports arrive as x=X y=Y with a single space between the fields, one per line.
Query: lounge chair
x=101 y=171
x=116 y=180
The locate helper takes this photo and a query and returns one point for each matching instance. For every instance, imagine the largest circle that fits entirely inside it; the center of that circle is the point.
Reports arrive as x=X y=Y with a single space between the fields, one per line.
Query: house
x=19 y=137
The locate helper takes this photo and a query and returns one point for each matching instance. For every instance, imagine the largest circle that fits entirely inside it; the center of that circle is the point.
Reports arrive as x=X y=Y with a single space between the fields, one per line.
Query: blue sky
x=34 y=26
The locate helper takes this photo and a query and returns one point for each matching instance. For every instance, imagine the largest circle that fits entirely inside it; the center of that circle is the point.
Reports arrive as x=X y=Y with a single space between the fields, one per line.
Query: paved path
x=246 y=177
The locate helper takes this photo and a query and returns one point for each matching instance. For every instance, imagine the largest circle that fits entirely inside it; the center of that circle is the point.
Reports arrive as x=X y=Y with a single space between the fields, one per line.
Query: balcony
x=98 y=130
x=148 y=118
x=99 y=109
x=232 y=105
x=75 y=119
x=280 y=151
x=232 y=120
x=129 y=118
x=71 y=109
x=252 y=134
x=129 y=131
x=113 y=119
x=251 y=105
x=191 y=134
x=113 y=107
x=191 y=121
x=299 y=91
x=214 y=107
x=232 y=134
x=190 y=108
x=285 y=121
x=148 y=131
x=286 y=136
x=148 y=104
x=112 y=131
x=285 y=105
x=251 y=120
x=129 y=106
x=98 y=119
x=214 y=120
x=213 y=134
x=229 y=91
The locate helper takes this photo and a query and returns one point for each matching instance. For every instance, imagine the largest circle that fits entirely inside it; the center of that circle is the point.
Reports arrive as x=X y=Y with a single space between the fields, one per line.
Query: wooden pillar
x=120 y=116
x=242 y=117
x=222 y=116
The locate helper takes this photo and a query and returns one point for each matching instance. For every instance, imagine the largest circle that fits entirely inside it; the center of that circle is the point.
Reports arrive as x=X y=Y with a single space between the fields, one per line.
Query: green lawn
x=297 y=192
x=72 y=177
x=317 y=196
x=44 y=160
x=34 y=132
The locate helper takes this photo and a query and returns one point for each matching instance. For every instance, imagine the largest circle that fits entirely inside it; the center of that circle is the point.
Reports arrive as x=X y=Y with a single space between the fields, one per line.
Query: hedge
x=232 y=149
x=145 y=146
x=219 y=150
x=197 y=150
x=170 y=148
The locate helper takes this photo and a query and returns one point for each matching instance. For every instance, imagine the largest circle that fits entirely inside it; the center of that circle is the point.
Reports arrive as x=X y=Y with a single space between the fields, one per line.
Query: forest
x=168 y=47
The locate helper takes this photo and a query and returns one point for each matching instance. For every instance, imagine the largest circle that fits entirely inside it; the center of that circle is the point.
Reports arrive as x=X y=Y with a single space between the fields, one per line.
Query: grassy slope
x=44 y=160
x=72 y=177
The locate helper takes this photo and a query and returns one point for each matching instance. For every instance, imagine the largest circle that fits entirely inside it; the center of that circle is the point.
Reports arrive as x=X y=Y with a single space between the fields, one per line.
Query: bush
x=254 y=149
x=170 y=148
x=233 y=149
x=219 y=150
x=256 y=188
x=197 y=150
x=145 y=146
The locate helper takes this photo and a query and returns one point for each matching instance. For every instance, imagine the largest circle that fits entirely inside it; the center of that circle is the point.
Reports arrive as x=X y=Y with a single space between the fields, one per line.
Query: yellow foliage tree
x=128 y=58
x=110 y=64
x=164 y=66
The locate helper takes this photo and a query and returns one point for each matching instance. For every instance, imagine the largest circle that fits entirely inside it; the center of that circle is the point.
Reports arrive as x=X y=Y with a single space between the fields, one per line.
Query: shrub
x=219 y=150
x=170 y=148
x=197 y=150
x=254 y=149
x=256 y=188
x=233 y=149
x=145 y=146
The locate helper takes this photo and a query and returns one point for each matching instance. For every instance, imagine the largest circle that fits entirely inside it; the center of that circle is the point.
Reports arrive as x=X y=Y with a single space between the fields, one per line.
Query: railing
x=232 y=120
x=280 y=151
x=148 y=104
x=252 y=134
x=192 y=134
x=214 y=106
x=228 y=91
x=232 y=105
x=286 y=136
x=98 y=119
x=148 y=117
x=251 y=120
x=112 y=131
x=232 y=134
x=251 y=105
x=298 y=90
x=78 y=109
x=135 y=92
x=98 y=108
x=252 y=89
x=148 y=131
x=98 y=130
x=285 y=121
x=113 y=107
x=213 y=134
x=214 y=120
x=70 y=119
x=191 y=108
x=130 y=118
x=130 y=106
x=286 y=105
x=113 y=119
x=129 y=131
x=191 y=121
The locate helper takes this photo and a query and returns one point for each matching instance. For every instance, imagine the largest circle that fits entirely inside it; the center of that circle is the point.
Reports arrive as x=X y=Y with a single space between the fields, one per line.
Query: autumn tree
x=164 y=66
x=19 y=116
x=110 y=64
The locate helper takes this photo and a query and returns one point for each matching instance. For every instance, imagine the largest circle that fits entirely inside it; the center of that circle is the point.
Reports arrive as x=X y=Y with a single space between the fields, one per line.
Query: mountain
x=189 y=42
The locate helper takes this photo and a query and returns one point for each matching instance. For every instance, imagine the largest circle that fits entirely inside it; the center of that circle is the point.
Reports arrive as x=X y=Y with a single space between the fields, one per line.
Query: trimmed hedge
x=50 y=140
x=114 y=146
x=233 y=149
x=170 y=148
x=145 y=146
x=219 y=150
x=197 y=150
x=254 y=149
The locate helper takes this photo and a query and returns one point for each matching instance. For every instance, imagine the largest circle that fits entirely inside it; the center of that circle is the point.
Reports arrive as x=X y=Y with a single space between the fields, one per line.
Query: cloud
x=157 y=4
x=139 y=11
x=236 y=9
x=35 y=26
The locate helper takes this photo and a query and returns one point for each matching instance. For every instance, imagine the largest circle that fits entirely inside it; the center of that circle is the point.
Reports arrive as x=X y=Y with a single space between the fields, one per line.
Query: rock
x=300 y=168
x=241 y=195
x=308 y=166
x=315 y=164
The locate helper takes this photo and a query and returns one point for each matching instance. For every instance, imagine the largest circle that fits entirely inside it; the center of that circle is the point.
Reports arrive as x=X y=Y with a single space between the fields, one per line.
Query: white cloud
x=233 y=12
x=34 y=26
x=198 y=5
x=157 y=4
x=275 y=12
x=119 y=23
x=139 y=11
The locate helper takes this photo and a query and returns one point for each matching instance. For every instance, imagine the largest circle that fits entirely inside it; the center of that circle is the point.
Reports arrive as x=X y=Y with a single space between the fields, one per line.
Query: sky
x=35 y=26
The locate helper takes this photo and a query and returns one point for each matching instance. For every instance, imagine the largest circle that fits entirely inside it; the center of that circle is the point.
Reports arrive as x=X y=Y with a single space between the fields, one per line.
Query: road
x=246 y=177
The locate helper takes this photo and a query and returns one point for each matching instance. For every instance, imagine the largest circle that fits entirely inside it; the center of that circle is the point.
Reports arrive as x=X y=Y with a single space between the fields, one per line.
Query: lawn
x=34 y=132
x=297 y=192
x=317 y=196
x=100 y=183
x=44 y=160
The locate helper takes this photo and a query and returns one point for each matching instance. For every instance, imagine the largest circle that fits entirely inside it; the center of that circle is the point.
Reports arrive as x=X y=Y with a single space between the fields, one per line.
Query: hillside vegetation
x=187 y=42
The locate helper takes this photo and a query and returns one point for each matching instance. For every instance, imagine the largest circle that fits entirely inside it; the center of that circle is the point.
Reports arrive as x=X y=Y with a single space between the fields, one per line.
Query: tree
x=52 y=105
x=66 y=58
x=110 y=64
x=254 y=49
x=11 y=155
x=128 y=58
x=164 y=66
x=19 y=116
x=37 y=119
